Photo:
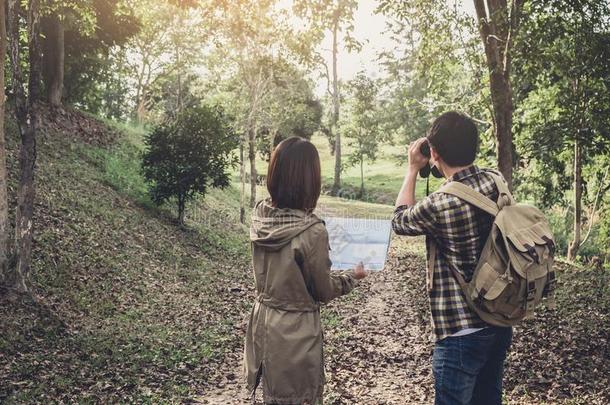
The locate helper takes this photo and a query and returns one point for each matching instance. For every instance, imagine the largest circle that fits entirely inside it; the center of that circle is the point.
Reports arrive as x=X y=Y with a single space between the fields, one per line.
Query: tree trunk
x=252 y=158
x=498 y=25
x=272 y=136
x=181 y=209
x=242 y=179
x=27 y=120
x=4 y=219
x=501 y=96
x=179 y=73
x=142 y=109
x=575 y=244
x=337 y=180
x=139 y=90
x=54 y=55
x=361 y=178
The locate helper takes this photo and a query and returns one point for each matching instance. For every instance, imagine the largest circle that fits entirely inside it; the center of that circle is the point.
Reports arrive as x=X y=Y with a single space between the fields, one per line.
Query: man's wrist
x=412 y=171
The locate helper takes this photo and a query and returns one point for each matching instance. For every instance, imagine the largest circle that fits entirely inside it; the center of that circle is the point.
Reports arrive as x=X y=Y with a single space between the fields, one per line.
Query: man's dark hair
x=293 y=176
x=455 y=138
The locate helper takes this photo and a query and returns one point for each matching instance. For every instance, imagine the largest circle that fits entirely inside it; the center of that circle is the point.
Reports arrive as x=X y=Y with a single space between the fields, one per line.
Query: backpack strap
x=471 y=196
x=431 y=265
x=505 y=197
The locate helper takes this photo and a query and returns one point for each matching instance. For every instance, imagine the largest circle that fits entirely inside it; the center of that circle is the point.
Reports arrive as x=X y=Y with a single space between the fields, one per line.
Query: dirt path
x=378 y=351
x=377 y=342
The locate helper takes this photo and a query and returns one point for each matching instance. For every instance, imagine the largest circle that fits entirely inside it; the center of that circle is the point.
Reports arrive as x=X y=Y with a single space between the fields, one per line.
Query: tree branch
x=488 y=33
x=516 y=6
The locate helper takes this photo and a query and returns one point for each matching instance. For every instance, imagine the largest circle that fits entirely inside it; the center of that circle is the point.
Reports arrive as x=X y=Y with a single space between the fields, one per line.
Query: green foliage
x=290 y=109
x=185 y=156
x=173 y=93
x=362 y=123
x=438 y=65
x=561 y=71
x=94 y=69
x=322 y=16
x=121 y=166
x=562 y=82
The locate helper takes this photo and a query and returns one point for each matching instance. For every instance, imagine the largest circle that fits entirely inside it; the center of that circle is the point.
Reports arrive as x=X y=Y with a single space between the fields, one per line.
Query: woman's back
x=281 y=238
x=292 y=273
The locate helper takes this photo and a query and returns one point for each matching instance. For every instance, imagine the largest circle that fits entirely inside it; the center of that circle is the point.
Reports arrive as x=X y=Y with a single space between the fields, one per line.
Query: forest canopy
x=534 y=76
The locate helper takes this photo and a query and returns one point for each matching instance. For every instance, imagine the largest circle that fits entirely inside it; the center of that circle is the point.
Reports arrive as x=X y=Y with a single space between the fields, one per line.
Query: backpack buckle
x=481 y=295
x=532 y=252
x=531 y=296
x=504 y=200
x=550 y=243
x=551 y=283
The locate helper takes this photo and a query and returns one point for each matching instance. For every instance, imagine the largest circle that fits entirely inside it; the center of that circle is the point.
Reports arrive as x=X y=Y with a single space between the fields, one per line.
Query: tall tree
x=4 y=219
x=94 y=25
x=166 y=47
x=253 y=37
x=336 y=18
x=362 y=123
x=498 y=24
x=26 y=111
x=435 y=65
x=150 y=51
x=291 y=108
x=95 y=32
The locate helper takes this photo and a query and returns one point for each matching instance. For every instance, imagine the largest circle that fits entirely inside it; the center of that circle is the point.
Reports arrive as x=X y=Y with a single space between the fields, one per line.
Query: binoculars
x=428 y=169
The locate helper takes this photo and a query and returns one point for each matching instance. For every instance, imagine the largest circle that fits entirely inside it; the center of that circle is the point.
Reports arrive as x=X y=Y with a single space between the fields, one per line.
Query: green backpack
x=515 y=270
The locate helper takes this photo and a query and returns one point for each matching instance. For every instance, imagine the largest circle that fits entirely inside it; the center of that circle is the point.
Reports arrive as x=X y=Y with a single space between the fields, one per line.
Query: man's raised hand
x=416 y=159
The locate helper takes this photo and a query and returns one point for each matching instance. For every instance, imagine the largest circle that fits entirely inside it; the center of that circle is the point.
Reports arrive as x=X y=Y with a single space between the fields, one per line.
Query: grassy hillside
x=128 y=305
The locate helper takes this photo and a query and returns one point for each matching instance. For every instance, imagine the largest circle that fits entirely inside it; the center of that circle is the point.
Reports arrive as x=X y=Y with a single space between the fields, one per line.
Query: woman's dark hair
x=455 y=138
x=293 y=176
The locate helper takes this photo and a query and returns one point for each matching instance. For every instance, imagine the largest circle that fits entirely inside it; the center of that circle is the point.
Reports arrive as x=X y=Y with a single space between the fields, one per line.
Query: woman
x=292 y=274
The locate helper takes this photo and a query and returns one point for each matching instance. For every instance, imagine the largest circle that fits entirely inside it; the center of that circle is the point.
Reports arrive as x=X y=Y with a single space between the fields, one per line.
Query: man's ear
x=435 y=157
x=437 y=160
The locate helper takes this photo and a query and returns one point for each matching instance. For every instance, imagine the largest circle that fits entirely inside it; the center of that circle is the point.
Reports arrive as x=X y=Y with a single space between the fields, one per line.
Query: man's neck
x=450 y=171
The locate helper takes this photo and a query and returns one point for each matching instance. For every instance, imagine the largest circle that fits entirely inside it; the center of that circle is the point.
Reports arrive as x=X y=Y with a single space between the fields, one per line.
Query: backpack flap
x=531 y=250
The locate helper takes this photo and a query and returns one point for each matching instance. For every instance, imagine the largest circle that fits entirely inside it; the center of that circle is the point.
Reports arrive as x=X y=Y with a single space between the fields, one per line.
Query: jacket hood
x=273 y=228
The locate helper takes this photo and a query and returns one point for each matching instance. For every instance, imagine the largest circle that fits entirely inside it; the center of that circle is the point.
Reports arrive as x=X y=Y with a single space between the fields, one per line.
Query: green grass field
x=382 y=178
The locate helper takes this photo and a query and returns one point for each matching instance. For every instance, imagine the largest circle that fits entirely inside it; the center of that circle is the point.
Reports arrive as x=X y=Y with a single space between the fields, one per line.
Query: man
x=468 y=354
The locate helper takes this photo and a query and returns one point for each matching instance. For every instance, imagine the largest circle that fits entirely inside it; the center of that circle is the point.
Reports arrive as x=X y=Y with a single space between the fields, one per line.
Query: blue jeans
x=468 y=369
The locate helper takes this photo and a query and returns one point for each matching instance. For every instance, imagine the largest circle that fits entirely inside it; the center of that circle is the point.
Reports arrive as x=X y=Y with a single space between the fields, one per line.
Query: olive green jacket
x=292 y=274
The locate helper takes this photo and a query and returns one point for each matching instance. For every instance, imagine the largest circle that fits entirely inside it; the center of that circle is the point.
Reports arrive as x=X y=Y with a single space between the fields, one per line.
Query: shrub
x=185 y=156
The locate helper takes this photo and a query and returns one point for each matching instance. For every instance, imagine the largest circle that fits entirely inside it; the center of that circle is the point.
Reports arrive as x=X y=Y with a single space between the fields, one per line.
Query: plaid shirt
x=459 y=230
